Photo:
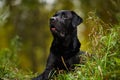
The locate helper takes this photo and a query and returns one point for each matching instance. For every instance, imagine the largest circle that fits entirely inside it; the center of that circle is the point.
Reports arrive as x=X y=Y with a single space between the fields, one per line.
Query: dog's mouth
x=54 y=30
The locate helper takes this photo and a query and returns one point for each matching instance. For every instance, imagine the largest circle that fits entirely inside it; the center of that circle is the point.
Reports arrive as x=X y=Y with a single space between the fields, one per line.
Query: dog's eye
x=55 y=14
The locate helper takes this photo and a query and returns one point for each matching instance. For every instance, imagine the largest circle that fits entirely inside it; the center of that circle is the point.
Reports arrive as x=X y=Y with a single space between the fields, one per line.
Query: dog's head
x=64 y=22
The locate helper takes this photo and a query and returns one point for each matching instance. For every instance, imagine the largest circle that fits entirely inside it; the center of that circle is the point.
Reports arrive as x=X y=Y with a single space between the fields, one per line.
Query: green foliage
x=104 y=62
x=9 y=62
x=107 y=10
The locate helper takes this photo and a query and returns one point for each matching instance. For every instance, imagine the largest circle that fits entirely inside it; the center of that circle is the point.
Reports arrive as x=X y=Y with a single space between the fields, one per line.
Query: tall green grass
x=9 y=63
x=104 y=62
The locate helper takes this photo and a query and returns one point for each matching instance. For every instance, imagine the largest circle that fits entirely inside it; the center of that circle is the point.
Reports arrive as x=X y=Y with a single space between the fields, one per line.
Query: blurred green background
x=29 y=19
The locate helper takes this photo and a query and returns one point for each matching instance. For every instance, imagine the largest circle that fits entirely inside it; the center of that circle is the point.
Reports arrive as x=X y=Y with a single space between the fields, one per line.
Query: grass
x=9 y=63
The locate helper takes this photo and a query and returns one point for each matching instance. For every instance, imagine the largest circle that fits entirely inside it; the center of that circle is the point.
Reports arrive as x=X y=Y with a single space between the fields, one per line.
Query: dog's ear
x=76 y=20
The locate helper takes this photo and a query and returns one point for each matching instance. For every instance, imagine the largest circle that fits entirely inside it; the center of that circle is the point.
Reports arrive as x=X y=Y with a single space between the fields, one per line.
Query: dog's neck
x=65 y=42
x=68 y=39
x=69 y=42
x=69 y=45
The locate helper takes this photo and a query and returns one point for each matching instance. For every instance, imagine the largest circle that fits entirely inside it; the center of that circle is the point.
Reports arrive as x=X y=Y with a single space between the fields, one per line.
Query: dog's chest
x=62 y=63
x=66 y=52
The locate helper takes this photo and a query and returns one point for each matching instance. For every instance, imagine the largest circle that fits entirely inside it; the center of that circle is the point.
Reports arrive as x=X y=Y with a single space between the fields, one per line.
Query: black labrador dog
x=64 y=51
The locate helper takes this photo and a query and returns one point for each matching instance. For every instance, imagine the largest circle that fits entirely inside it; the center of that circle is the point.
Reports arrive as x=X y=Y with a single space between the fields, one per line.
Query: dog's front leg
x=49 y=69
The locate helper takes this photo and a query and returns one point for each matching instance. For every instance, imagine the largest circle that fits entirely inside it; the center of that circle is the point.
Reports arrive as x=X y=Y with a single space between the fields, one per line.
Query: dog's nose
x=52 y=19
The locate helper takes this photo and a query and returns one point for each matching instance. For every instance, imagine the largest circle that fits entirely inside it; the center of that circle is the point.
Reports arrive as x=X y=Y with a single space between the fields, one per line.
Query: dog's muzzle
x=55 y=27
